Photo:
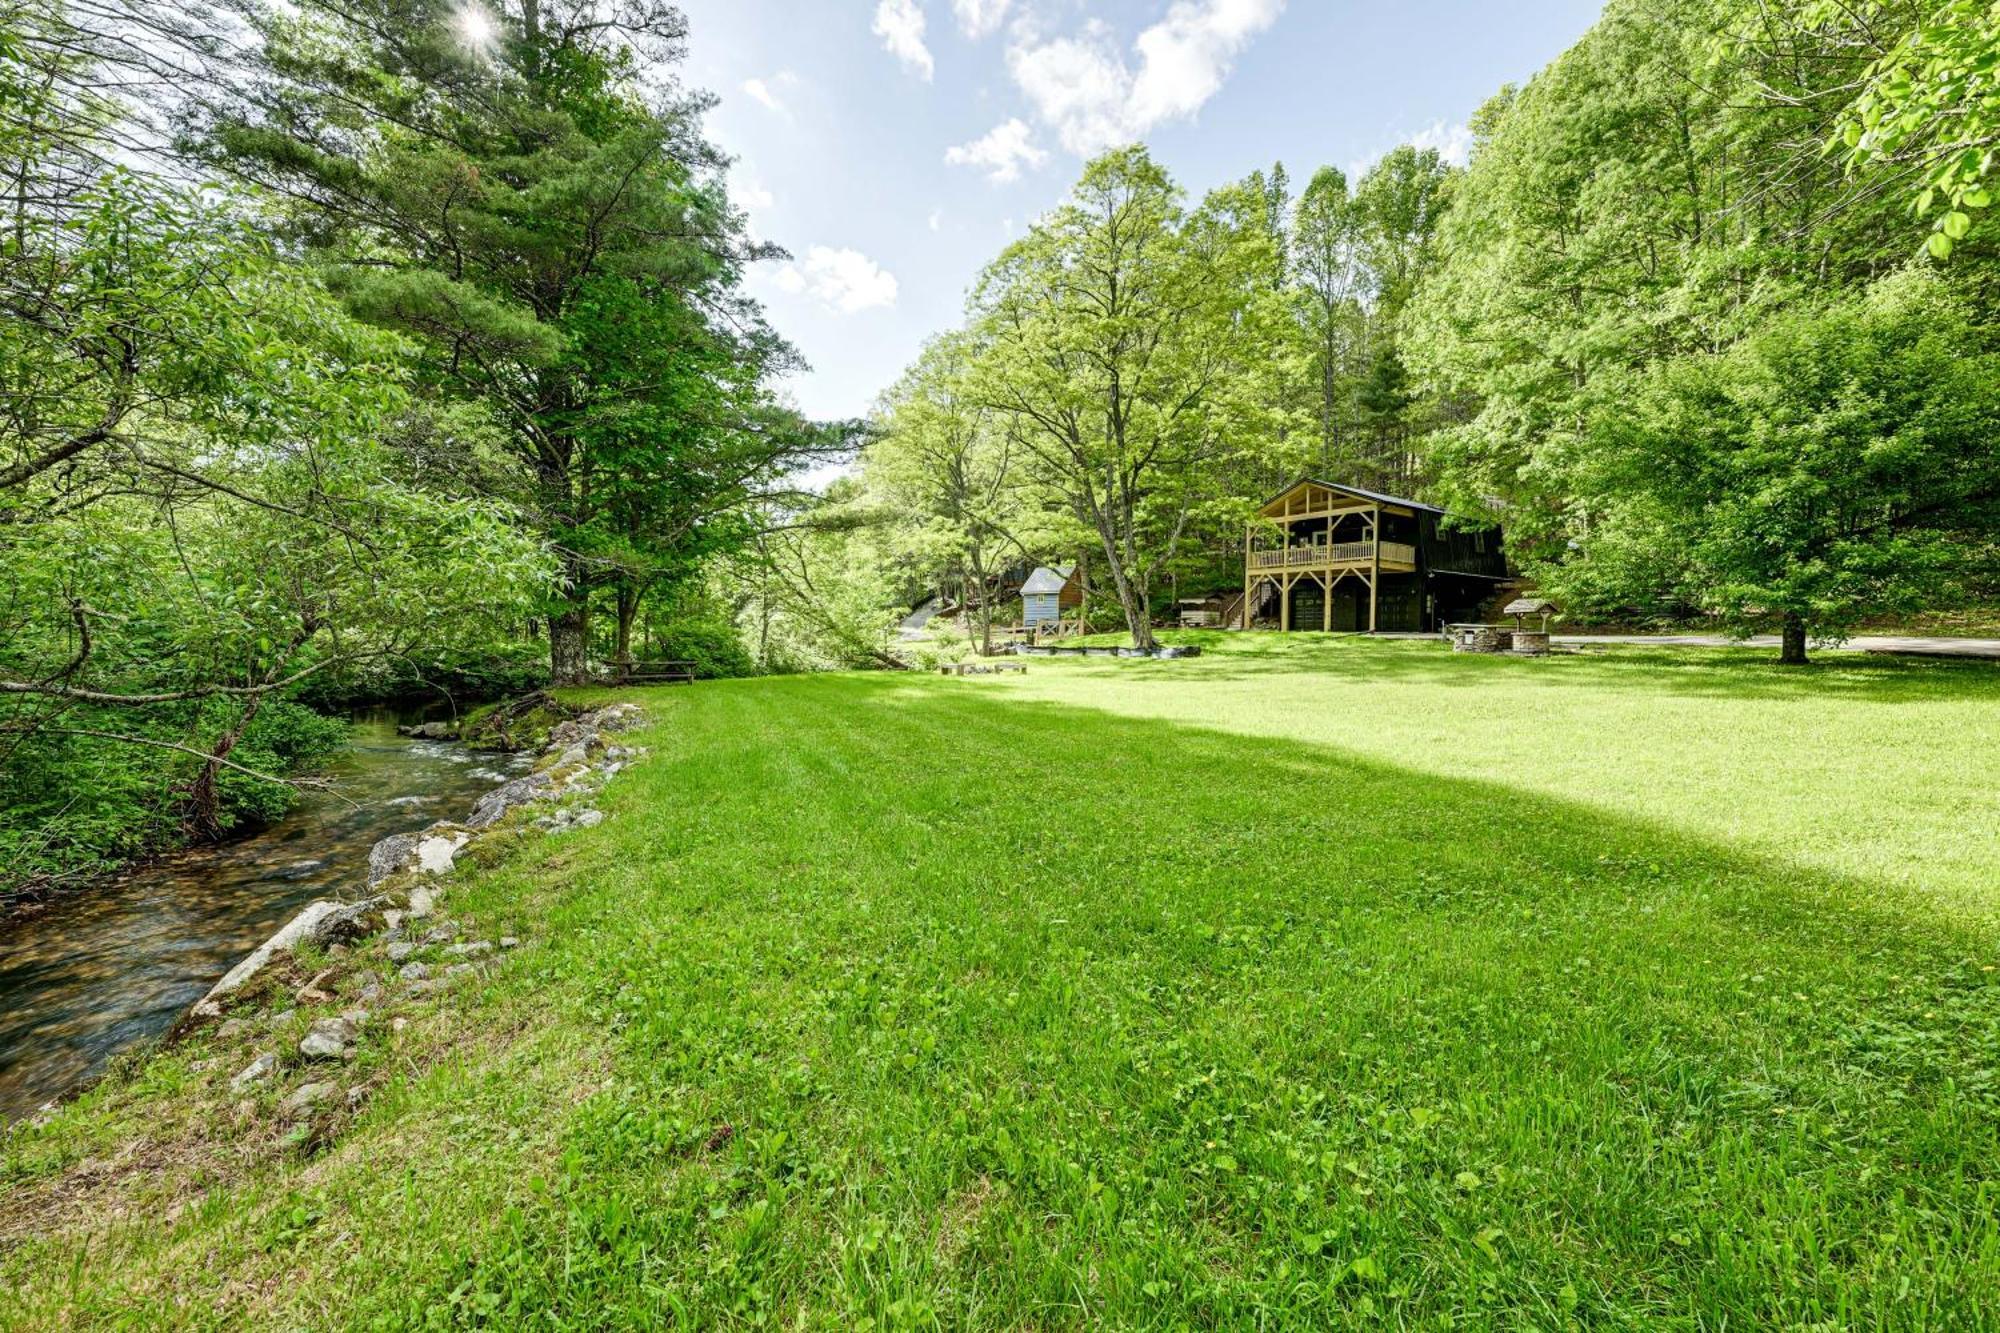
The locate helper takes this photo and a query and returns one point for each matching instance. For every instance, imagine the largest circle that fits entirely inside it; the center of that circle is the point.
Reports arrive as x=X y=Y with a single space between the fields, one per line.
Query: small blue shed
x=1048 y=593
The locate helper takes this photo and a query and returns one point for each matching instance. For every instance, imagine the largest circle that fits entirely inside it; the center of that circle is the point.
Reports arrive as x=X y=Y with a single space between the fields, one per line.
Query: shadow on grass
x=1724 y=1089
x=1723 y=673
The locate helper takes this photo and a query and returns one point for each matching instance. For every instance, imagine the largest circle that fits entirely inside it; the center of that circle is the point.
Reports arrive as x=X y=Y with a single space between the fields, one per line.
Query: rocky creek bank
x=288 y=1029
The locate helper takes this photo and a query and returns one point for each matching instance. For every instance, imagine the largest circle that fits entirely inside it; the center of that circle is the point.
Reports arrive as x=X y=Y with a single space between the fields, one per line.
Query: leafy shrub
x=284 y=738
x=708 y=639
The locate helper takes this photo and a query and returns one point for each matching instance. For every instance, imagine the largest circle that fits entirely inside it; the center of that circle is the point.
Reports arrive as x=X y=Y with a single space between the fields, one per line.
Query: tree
x=1130 y=348
x=949 y=472
x=1835 y=464
x=548 y=225
x=1640 y=200
x=1328 y=293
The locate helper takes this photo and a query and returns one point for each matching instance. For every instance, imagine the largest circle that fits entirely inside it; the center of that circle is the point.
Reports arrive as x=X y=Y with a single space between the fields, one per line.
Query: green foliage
x=694 y=626
x=1836 y=464
x=283 y=738
x=1930 y=100
x=202 y=498
x=1638 y=209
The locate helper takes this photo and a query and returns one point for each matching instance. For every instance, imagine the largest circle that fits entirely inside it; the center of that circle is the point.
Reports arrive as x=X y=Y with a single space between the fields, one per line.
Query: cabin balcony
x=1335 y=555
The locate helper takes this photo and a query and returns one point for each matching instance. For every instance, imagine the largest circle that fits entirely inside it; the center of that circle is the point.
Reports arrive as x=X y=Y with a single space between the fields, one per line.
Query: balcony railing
x=1324 y=556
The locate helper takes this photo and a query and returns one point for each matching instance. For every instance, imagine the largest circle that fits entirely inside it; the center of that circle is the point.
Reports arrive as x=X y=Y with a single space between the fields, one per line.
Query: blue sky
x=893 y=146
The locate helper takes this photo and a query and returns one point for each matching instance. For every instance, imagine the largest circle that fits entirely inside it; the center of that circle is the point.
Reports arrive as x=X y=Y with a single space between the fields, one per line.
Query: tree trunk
x=569 y=642
x=629 y=595
x=1793 y=653
x=204 y=795
x=1131 y=599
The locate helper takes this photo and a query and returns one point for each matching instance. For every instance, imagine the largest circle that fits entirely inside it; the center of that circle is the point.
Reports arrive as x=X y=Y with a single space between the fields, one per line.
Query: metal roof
x=1362 y=492
x=1045 y=579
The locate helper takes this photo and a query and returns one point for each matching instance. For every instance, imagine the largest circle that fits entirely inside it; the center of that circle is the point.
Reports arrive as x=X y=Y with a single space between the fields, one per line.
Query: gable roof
x=1358 y=492
x=1045 y=579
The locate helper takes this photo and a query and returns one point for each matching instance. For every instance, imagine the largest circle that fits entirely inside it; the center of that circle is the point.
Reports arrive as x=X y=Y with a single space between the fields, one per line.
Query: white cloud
x=762 y=91
x=936 y=219
x=980 y=18
x=752 y=195
x=1453 y=142
x=1093 y=95
x=900 y=25
x=1001 y=152
x=843 y=280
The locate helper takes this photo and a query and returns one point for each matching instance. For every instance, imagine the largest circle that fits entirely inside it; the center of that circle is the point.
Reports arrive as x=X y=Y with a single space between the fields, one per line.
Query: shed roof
x=1045 y=579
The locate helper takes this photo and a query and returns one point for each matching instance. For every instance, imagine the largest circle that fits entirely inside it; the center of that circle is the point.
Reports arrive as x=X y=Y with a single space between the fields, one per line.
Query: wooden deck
x=1396 y=556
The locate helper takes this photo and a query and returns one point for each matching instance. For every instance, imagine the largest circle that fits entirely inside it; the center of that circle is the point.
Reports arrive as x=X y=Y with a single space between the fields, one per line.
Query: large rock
x=431 y=731
x=308 y=1096
x=255 y=1072
x=305 y=926
x=435 y=852
x=330 y=1039
x=500 y=800
x=391 y=854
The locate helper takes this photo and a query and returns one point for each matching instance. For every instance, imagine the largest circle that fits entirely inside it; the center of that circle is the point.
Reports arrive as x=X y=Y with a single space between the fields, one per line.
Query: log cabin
x=1321 y=555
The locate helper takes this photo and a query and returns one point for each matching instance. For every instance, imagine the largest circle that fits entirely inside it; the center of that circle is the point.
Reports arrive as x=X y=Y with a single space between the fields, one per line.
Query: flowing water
x=95 y=971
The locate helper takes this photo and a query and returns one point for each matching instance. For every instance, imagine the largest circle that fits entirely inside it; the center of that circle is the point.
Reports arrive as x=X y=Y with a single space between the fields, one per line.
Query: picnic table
x=665 y=671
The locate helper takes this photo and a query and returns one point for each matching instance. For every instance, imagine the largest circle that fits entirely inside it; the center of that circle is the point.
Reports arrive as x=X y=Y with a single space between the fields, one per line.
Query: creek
x=97 y=971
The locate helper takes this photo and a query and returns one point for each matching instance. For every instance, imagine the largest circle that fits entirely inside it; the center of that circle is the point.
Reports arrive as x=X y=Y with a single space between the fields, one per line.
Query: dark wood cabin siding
x=1461 y=550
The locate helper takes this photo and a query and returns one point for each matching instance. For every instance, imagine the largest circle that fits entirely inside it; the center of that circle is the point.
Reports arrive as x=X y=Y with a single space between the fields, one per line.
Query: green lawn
x=1312 y=982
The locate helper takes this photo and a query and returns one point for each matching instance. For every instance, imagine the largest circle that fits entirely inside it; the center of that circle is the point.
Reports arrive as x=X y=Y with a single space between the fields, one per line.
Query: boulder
x=305 y=1098
x=500 y=800
x=435 y=852
x=414 y=972
x=391 y=854
x=472 y=949
x=330 y=1039
x=401 y=950
x=301 y=927
x=255 y=1072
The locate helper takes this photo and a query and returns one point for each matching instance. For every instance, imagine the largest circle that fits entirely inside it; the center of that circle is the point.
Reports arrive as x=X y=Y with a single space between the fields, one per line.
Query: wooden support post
x=1246 y=575
x=1375 y=570
x=1326 y=583
x=1284 y=602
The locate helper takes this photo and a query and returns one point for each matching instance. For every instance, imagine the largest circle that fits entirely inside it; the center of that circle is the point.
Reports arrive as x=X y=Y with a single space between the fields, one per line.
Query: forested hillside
x=1707 y=322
